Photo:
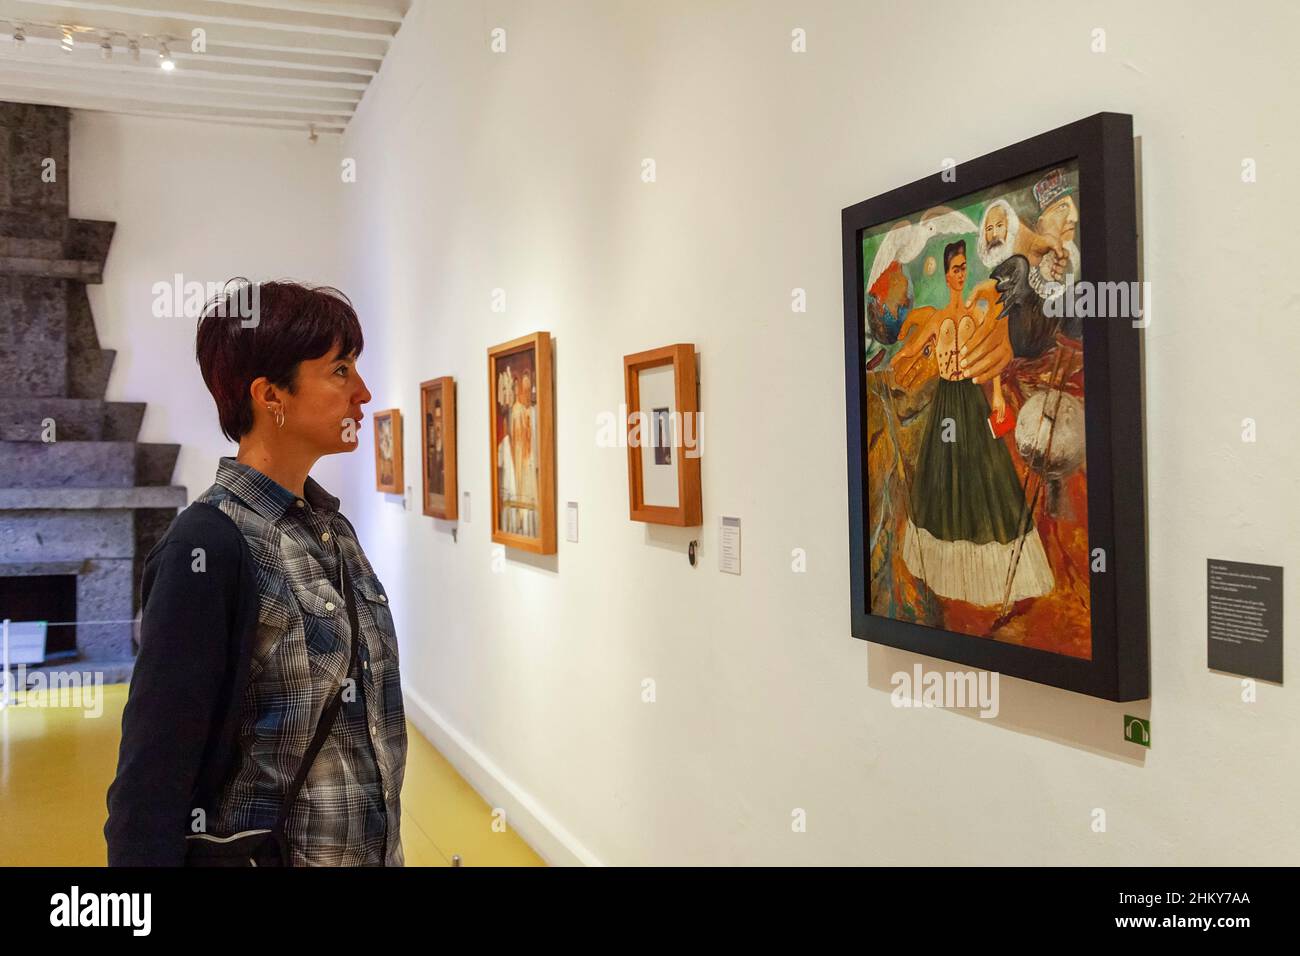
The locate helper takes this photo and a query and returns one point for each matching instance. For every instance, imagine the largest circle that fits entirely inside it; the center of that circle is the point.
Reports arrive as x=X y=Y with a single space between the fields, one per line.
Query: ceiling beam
x=392 y=11
x=204 y=12
x=128 y=105
x=192 y=66
x=246 y=38
x=133 y=87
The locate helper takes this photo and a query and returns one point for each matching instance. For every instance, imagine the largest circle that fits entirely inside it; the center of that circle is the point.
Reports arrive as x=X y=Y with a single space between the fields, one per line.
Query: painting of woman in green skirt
x=974 y=453
x=969 y=536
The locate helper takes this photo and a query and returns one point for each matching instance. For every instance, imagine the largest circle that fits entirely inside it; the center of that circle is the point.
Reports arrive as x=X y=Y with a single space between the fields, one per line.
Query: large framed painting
x=522 y=417
x=994 y=409
x=388 y=451
x=438 y=446
x=663 y=436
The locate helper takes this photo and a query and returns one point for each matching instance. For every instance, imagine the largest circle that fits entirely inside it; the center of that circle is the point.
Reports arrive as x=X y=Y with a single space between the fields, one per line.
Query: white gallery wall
x=522 y=171
x=207 y=202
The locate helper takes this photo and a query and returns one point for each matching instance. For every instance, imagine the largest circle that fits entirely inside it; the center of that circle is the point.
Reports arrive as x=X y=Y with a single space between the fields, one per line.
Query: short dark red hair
x=291 y=322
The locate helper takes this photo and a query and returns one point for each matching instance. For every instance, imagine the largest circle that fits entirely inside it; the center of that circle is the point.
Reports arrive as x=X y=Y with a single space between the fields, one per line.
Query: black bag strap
x=331 y=709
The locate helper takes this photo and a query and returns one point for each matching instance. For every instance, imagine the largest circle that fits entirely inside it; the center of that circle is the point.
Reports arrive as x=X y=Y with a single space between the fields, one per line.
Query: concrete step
x=29 y=223
x=87 y=240
x=72 y=499
x=23 y=247
x=75 y=270
x=57 y=248
x=75 y=419
x=59 y=535
x=88 y=372
x=155 y=462
x=86 y=464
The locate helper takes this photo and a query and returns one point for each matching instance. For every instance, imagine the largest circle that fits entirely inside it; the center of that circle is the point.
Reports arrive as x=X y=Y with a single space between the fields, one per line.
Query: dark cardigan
x=199 y=615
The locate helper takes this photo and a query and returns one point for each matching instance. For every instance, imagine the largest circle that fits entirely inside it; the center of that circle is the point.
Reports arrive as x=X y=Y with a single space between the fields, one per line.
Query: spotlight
x=68 y=41
x=165 y=60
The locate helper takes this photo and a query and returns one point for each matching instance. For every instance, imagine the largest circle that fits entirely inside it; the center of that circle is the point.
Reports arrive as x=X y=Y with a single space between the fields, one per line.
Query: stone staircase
x=79 y=493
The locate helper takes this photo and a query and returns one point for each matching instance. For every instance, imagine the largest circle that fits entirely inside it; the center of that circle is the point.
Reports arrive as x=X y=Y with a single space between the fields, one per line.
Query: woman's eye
x=343 y=369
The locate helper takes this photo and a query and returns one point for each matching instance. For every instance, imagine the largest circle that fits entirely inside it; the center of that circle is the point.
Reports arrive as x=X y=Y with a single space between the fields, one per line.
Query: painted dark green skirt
x=965 y=489
x=966 y=500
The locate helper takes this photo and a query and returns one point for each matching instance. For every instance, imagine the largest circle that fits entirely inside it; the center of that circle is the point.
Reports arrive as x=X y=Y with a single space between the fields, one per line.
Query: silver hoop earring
x=278 y=413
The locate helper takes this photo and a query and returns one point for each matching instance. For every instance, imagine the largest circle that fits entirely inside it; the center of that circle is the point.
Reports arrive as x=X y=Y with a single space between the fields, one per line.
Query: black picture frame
x=1118 y=670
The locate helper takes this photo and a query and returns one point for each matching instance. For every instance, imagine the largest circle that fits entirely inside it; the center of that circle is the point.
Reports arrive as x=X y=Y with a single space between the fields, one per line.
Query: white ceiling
x=285 y=64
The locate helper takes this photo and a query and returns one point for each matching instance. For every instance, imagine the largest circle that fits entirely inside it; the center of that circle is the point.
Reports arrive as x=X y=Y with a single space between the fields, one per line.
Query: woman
x=523 y=431
x=506 y=477
x=246 y=633
x=969 y=535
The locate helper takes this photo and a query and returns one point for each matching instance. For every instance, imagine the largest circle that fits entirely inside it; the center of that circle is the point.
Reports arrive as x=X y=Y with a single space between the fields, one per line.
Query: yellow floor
x=56 y=764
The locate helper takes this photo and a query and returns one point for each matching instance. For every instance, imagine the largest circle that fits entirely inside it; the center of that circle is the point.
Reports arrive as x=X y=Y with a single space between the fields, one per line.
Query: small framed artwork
x=663 y=441
x=388 y=451
x=994 y=411
x=438 y=446
x=522 y=441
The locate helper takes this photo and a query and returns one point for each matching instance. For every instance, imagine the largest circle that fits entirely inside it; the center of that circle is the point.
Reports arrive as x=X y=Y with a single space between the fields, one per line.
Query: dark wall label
x=1245 y=619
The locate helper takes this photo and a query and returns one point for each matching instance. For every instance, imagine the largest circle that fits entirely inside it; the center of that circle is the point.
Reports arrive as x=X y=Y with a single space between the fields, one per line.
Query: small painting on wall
x=438 y=446
x=388 y=451
x=522 y=442
x=664 y=436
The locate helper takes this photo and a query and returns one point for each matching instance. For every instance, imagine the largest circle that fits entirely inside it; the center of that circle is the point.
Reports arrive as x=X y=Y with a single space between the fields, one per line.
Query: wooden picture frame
x=666 y=379
x=438 y=447
x=521 y=411
x=389 y=475
x=1111 y=584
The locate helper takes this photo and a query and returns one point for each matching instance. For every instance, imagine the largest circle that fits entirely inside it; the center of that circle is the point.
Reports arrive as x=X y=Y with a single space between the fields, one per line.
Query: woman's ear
x=262 y=391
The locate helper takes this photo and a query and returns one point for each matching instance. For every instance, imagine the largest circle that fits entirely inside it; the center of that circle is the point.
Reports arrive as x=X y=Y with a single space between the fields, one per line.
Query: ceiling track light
x=106 y=41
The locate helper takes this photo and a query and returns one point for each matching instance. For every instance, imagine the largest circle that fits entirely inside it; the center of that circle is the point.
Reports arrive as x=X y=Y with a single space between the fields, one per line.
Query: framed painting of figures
x=388 y=451
x=522 y=417
x=994 y=409
x=438 y=446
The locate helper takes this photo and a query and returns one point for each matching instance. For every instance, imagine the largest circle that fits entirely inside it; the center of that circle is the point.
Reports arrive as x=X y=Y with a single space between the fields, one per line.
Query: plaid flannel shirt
x=348 y=812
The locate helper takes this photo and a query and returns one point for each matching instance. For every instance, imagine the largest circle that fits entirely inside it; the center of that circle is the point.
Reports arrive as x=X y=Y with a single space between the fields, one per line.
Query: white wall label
x=571 y=521
x=729 y=545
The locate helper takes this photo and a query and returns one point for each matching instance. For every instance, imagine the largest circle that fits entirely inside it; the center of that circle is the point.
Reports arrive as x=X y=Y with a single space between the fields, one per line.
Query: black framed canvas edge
x=1102 y=144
